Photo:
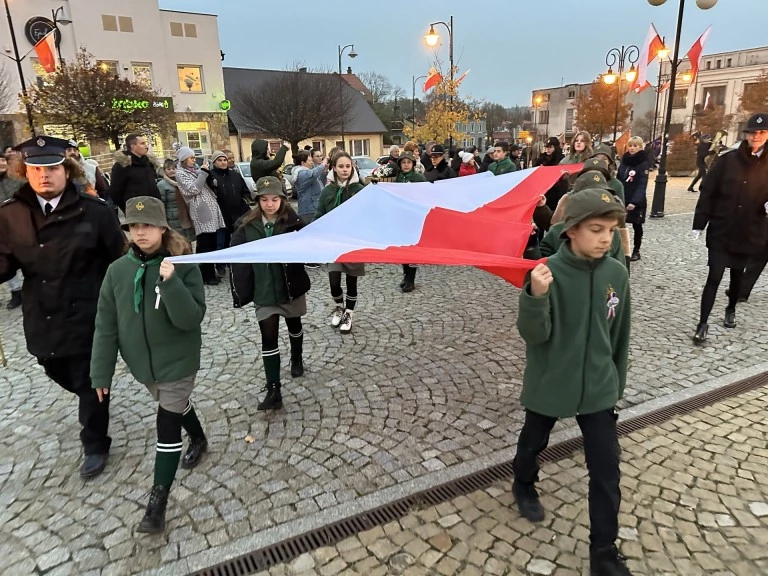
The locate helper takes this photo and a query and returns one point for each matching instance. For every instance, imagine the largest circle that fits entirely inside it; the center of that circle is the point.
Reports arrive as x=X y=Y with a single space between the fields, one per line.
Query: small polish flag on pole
x=696 y=52
x=433 y=79
x=46 y=51
x=650 y=50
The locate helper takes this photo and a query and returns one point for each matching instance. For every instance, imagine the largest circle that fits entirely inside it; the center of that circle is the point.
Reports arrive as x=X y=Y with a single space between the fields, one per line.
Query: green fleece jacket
x=330 y=197
x=158 y=344
x=577 y=337
x=503 y=167
x=411 y=176
x=618 y=189
x=551 y=243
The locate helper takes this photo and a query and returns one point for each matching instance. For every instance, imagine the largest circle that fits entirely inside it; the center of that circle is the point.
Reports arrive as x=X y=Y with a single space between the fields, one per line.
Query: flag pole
x=18 y=60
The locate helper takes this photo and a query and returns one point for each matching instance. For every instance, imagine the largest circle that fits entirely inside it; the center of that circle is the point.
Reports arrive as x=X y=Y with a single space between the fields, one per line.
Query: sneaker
x=528 y=502
x=338 y=313
x=346 y=321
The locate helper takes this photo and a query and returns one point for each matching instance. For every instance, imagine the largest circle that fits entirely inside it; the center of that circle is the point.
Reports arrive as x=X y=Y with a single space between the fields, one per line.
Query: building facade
x=472 y=133
x=721 y=81
x=175 y=52
x=555 y=114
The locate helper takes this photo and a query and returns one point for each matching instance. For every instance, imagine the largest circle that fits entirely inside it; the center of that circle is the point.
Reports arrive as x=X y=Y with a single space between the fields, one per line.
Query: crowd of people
x=89 y=292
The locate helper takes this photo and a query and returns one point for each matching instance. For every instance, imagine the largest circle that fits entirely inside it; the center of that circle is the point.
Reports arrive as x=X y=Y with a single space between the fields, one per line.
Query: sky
x=511 y=47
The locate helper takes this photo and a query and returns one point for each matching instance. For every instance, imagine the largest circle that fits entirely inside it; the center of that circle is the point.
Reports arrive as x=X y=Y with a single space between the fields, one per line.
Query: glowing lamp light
x=537 y=100
x=663 y=53
x=686 y=77
x=609 y=77
x=631 y=74
x=432 y=37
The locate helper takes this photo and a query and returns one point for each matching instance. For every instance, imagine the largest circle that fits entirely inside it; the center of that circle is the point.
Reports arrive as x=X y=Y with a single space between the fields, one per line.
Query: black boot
x=635 y=255
x=405 y=276
x=273 y=400
x=15 y=300
x=154 y=518
x=410 y=279
x=197 y=447
x=528 y=501
x=701 y=333
x=297 y=365
x=607 y=562
x=730 y=318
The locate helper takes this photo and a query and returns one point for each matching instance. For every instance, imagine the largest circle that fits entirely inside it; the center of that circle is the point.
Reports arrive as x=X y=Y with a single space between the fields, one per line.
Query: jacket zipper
x=586 y=341
x=144 y=325
x=287 y=283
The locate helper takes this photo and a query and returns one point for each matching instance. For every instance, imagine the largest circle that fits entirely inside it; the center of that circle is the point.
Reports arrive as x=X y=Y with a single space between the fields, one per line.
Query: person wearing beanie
x=515 y=154
x=502 y=162
x=151 y=312
x=577 y=307
x=134 y=172
x=176 y=210
x=203 y=207
x=231 y=191
x=275 y=289
x=467 y=166
x=487 y=160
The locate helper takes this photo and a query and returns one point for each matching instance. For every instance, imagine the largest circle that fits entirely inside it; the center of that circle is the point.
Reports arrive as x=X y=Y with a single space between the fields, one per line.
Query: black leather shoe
x=212 y=282
x=15 y=300
x=93 y=465
x=194 y=453
x=701 y=333
x=730 y=319
x=274 y=398
x=528 y=502
x=607 y=562
x=297 y=367
x=635 y=256
x=154 y=518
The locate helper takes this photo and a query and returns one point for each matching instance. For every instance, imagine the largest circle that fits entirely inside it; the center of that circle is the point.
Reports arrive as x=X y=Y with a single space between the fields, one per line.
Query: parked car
x=365 y=166
x=244 y=168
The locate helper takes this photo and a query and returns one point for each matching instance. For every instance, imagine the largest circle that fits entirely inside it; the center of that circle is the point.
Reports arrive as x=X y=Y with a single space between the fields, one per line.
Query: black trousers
x=207 y=243
x=752 y=274
x=700 y=176
x=73 y=374
x=601 y=449
x=709 y=294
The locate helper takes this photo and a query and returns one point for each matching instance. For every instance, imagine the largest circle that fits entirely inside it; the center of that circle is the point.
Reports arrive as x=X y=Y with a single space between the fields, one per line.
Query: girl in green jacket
x=150 y=311
x=345 y=184
x=275 y=289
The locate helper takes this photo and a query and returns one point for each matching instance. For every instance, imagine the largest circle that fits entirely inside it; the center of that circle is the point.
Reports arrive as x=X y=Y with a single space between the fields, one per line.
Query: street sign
x=523 y=134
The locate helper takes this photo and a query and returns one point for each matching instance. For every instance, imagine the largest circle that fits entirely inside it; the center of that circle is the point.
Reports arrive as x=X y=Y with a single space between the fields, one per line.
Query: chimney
x=303 y=69
x=349 y=69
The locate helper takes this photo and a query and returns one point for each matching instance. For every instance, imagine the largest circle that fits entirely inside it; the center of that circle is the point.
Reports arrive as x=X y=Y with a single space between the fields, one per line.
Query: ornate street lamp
x=619 y=57
x=431 y=39
x=351 y=54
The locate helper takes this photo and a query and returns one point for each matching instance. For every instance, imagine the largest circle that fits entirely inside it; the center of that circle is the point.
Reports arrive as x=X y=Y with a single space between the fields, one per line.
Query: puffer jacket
x=203 y=208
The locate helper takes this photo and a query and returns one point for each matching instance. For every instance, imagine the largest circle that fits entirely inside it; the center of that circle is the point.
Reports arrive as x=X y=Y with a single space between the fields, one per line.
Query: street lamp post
x=660 y=188
x=64 y=21
x=352 y=54
x=16 y=58
x=536 y=103
x=432 y=38
x=619 y=57
x=413 y=97
x=662 y=54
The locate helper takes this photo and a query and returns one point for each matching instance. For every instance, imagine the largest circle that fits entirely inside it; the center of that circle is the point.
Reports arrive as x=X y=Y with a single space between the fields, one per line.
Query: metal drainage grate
x=287 y=550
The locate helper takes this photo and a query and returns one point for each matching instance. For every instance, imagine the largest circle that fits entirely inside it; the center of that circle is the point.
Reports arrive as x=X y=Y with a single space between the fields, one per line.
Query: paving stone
x=539 y=566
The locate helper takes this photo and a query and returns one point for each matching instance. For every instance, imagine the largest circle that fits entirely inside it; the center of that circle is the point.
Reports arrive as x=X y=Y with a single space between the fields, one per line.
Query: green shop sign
x=131 y=104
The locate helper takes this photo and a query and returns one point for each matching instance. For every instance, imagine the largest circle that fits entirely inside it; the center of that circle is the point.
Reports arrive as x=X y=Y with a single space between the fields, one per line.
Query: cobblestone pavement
x=695 y=501
x=426 y=386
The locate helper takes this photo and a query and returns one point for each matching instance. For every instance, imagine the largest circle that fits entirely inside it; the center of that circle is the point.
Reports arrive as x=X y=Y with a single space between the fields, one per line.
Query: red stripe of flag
x=46 y=51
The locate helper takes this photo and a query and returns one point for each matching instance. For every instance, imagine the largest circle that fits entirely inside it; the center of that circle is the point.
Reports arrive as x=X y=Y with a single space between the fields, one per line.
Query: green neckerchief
x=269 y=228
x=138 y=287
x=338 y=196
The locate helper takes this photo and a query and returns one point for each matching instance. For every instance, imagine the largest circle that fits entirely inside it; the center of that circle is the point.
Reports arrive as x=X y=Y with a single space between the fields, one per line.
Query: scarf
x=138 y=286
x=269 y=227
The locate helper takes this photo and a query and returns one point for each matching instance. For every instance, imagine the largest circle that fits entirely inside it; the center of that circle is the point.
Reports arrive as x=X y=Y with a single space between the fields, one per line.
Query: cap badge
x=40 y=142
x=759 y=120
x=139 y=206
x=605 y=198
x=596 y=178
x=266 y=184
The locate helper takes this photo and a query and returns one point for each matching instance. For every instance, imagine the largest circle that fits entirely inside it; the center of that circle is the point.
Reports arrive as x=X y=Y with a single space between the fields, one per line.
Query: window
x=571 y=93
x=543 y=116
x=181 y=29
x=109 y=23
x=190 y=78
x=115 y=23
x=110 y=66
x=360 y=147
x=716 y=96
x=709 y=64
x=142 y=74
x=569 y=120
x=319 y=145
x=718 y=64
x=728 y=62
x=471 y=126
x=680 y=98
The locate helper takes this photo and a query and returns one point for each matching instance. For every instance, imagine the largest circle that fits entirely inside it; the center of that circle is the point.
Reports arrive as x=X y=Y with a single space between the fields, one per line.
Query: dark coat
x=559 y=188
x=64 y=259
x=702 y=152
x=486 y=162
x=132 y=176
x=267 y=284
x=732 y=201
x=232 y=194
x=261 y=164
x=440 y=172
x=635 y=186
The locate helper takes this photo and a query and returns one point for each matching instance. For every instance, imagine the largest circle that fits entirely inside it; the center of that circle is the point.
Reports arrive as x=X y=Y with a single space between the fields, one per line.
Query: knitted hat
x=183 y=153
x=553 y=141
x=269 y=185
x=466 y=156
x=591 y=203
x=217 y=154
x=145 y=210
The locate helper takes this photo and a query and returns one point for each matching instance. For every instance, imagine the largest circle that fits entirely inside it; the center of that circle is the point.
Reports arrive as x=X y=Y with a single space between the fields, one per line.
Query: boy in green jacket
x=503 y=163
x=407 y=163
x=151 y=311
x=575 y=319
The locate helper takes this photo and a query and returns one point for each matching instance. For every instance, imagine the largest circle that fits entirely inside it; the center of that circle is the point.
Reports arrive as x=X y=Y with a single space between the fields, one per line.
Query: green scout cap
x=591 y=203
x=145 y=210
x=606 y=150
x=269 y=185
x=406 y=156
x=590 y=179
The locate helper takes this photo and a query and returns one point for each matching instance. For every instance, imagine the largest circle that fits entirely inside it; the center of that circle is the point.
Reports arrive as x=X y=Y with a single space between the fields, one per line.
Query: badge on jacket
x=612 y=301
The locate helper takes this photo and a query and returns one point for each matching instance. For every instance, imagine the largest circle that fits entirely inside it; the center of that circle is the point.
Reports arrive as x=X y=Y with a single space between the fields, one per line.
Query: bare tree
x=7 y=98
x=379 y=86
x=295 y=106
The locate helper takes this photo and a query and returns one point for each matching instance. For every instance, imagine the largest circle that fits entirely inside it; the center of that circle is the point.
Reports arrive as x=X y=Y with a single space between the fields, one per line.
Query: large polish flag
x=696 y=52
x=46 y=51
x=650 y=49
x=481 y=220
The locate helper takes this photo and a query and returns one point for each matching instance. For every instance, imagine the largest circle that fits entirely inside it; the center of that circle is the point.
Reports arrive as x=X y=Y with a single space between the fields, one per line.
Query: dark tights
x=338 y=294
x=270 y=327
x=638 y=239
x=710 y=290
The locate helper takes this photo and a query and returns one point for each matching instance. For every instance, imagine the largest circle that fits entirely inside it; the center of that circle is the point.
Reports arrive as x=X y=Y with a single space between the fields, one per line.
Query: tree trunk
x=115 y=137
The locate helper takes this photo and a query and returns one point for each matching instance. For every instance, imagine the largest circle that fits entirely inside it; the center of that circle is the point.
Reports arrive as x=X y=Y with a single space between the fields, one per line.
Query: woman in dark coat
x=732 y=207
x=552 y=156
x=633 y=174
x=438 y=168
